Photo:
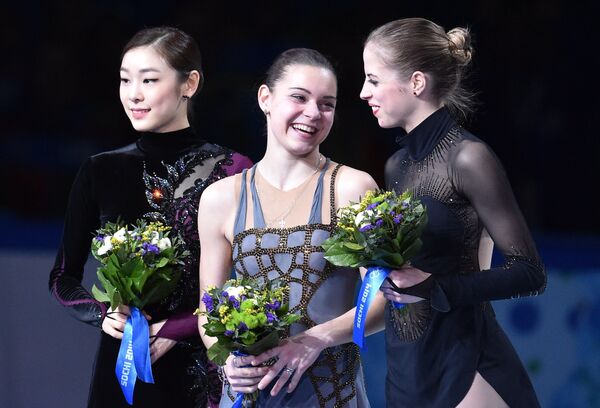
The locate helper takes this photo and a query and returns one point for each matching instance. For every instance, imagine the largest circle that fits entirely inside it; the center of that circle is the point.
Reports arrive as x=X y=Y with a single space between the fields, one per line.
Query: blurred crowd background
x=535 y=73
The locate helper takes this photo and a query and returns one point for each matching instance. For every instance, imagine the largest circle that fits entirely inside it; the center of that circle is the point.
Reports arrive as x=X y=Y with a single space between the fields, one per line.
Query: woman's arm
x=478 y=175
x=216 y=216
x=81 y=221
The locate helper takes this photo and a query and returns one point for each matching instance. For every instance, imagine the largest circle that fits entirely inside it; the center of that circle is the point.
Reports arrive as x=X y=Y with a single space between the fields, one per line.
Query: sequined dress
x=160 y=177
x=435 y=349
x=318 y=292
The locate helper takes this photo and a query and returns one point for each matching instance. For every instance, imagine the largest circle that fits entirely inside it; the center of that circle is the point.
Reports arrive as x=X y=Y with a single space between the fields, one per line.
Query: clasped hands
x=403 y=278
x=114 y=324
x=293 y=356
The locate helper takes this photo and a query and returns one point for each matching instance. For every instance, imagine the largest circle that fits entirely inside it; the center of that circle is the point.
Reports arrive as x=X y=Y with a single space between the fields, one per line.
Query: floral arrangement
x=381 y=232
x=139 y=265
x=245 y=318
x=383 y=229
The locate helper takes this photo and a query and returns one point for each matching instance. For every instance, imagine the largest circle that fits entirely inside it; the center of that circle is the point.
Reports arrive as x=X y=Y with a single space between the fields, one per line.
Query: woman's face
x=151 y=92
x=301 y=107
x=389 y=97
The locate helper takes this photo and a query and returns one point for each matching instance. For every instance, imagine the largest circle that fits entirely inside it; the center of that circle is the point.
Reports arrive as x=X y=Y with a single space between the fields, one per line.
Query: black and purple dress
x=436 y=346
x=160 y=177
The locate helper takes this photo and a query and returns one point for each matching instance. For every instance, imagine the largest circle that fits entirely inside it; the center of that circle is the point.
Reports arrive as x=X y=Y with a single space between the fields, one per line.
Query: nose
x=311 y=110
x=135 y=92
x=364 y=92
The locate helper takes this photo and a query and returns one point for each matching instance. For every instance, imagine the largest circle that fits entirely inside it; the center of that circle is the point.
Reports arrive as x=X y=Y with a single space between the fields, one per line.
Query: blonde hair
x=416 y=44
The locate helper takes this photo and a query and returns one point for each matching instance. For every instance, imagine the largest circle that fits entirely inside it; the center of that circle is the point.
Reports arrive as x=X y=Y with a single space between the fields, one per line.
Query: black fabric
x=119 y=184
x=435 y=347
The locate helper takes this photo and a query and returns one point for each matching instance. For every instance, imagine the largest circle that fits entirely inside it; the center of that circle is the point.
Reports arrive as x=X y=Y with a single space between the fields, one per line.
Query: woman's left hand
x=405 y=277
x=295 y=355
x=159 y=345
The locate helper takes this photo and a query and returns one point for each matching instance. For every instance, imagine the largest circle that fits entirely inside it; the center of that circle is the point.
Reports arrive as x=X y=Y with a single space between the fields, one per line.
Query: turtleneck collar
x=168 y=143
x=425 y=136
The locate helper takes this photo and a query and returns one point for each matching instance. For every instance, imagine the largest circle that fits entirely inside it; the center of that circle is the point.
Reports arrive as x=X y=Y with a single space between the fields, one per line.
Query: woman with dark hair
x=269 y=223
x=445 y=347
x=160 y=177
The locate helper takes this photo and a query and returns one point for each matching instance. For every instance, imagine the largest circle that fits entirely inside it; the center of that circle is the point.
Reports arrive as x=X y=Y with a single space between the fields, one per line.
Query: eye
x=299 y=98
x=150 y=80
x=372 y=82
x=327 y=106
x=124 y=81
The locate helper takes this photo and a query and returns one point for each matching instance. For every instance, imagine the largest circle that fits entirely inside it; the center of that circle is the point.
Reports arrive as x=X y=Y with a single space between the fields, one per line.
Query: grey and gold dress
x=318 y=292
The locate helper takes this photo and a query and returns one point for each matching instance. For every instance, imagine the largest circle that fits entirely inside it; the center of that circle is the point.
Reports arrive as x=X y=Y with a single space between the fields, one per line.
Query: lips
x=374 y=109
x=139 y=113
x=303 y=128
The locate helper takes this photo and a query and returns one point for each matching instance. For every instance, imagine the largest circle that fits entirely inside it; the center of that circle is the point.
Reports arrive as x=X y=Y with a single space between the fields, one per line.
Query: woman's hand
x=295 y=355
x=405 y=277
x=159 y=345
x=241 y=378
x=114 y=321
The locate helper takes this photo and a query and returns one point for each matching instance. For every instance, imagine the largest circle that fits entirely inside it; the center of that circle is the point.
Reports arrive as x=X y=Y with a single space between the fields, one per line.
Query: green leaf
x=219 y=352
x=412 y=250
x=99 y=295
x=344 y=259
x=353 y=246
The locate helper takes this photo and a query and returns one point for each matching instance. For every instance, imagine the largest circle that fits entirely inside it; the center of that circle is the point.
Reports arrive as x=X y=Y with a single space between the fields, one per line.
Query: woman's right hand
x=243 y=379
x=114 y=321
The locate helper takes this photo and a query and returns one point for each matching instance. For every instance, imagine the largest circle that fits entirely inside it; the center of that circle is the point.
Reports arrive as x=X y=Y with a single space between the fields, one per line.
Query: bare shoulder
x=352 y=184
x=219 y=198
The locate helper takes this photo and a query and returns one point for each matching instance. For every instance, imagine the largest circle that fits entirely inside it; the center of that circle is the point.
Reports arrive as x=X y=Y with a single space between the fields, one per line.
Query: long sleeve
x=478 y=175
x=81 y=221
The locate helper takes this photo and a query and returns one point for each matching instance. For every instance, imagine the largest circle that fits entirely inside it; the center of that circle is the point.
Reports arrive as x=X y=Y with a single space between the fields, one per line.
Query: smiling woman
x=160 y=178
x=269 y=224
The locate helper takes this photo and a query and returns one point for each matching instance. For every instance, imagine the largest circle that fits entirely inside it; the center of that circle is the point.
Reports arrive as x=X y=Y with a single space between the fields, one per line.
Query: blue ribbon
x=239 y=398
x=133 y=360
x=370 y=286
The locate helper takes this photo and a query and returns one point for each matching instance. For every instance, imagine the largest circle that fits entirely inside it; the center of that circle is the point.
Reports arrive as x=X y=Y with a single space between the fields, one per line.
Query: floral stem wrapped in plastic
x=139 y=266
x=382 y=233
x=246 y=320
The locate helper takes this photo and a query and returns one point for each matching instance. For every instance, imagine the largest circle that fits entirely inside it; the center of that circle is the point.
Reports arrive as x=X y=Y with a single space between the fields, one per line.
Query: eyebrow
x=371 y=76
x=308 y=92
x=143 y=70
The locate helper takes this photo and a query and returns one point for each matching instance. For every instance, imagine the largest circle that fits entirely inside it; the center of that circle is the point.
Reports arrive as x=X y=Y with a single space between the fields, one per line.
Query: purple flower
x=273 y=306
x=225 y=294
x=271 y=317
x=242 y=327
x=234 y=302
x=398 y=218
x=229 y=333
x=208 y=301
x=373 y=206
x=379 y=222
x=366 y=228
x=405 y=204
x=146 y=248
x=100 y=237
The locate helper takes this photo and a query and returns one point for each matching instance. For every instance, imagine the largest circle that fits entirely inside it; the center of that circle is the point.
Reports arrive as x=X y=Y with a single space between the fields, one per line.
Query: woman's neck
x=286 y=171
x=422 y=112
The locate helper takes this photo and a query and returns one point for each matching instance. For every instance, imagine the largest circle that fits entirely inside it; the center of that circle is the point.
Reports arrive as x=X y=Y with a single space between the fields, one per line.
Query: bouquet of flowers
x=139 y=266
x=245 y=319
x=381 y=232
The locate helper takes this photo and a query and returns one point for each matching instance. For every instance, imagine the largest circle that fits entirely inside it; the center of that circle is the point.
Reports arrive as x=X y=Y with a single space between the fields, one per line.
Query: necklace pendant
x=281 y=223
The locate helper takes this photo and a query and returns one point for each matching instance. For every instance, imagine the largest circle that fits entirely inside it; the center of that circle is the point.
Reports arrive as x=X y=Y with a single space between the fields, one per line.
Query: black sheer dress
x=435 y=349
x=160 y=177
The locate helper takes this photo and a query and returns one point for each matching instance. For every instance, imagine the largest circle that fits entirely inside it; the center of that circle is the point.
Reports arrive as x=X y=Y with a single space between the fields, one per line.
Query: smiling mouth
x=139 y=113
x=304 y=128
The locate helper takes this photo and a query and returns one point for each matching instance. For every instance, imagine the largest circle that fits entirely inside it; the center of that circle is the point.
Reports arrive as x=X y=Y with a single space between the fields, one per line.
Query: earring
x=415 y=93
x=266 y=112
x=185 y=97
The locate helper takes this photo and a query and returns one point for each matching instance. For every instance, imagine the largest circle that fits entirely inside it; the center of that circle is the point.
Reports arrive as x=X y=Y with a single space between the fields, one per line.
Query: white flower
x=120 y=235
x=164 y=243
x=106 y=245
x=355 y=207
x=236 y=291
x=154 y=238
x=358 y=221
